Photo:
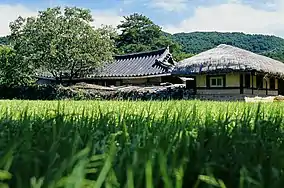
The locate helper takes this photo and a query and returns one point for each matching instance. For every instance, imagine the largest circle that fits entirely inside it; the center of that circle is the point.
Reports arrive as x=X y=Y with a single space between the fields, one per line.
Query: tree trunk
x=60 y=78
x=70 y=80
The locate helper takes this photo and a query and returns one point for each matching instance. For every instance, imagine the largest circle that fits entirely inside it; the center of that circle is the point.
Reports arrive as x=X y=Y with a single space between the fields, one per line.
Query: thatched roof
x=226 y=58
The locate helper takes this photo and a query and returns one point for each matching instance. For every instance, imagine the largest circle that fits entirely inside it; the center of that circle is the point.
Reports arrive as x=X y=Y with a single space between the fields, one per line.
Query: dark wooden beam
x=241 y=84
x=266 y=88
x=251 y=83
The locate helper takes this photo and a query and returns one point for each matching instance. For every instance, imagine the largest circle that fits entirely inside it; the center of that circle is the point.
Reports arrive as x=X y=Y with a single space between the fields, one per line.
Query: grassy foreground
x=141 y=144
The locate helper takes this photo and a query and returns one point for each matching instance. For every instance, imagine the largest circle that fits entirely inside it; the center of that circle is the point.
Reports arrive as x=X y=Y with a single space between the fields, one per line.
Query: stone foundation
x=225 y=97
x=220 y=97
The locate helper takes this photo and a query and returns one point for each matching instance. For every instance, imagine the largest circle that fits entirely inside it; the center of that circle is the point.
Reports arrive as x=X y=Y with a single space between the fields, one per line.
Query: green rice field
x=167 y=144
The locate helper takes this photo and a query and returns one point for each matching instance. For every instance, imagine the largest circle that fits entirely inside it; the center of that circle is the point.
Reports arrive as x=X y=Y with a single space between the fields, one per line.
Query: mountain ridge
x=196 y=42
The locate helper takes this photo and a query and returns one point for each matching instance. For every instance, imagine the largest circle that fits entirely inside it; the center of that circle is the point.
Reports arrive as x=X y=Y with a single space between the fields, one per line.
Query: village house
x=232 y=72
x=145 y=68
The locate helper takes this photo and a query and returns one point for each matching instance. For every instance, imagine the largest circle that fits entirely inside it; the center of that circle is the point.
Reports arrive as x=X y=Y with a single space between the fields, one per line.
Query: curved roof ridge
x=160 y=51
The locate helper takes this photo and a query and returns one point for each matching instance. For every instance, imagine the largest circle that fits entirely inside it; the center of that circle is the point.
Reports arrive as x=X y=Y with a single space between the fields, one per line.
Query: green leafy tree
x=13 y=71
x=175 y=48
x=62 y=42
x=139 y=33
x=182 y=55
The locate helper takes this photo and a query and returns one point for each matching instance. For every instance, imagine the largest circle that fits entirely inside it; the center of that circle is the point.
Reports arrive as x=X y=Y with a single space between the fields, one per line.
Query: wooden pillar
x=224 y=81
x=266 y=88
x=251 y=83
x=241 y=84
x=207 y=81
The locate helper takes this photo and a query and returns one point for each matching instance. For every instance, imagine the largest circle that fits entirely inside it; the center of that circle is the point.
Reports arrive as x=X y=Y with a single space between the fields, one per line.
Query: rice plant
x=172 y=144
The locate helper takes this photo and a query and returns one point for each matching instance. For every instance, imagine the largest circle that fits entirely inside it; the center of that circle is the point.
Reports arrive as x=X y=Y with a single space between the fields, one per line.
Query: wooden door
x=191 y=84
x=280 y=87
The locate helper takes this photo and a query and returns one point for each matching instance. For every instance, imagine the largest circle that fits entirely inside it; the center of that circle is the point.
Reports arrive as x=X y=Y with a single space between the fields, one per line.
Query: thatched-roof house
x=228 y=70
x=144 y=68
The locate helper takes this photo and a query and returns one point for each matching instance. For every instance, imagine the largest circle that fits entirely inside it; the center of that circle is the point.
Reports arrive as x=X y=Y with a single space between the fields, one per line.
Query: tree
x=175 y=48
x=139 y=33
x=182 y=55
x=62 y=43
x=276 y=54
x=13 y=71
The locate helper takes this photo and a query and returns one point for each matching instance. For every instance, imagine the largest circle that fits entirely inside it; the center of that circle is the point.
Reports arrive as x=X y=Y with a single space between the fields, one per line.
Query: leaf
x=4 y=185
x=107 y=166
x=212 y=181
x=5 y=175
x=148 y=174
x=36 y=183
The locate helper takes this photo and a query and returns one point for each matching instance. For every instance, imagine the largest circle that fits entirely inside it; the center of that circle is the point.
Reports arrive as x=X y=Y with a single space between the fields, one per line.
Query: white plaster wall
x=233 y=80
x=200 y=81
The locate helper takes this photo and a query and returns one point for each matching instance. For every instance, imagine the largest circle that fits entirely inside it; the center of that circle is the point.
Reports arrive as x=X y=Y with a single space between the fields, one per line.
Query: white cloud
x=9 y=13
x=106 y=18
x=233 y=17
x=169 y=5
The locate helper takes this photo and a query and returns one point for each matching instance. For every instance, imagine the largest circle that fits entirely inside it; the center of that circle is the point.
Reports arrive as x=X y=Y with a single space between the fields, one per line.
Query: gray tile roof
x=133 y=65
x=138 y=64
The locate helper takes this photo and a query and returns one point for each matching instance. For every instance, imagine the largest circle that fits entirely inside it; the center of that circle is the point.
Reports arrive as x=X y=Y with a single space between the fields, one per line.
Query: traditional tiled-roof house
x=145 y=68
x=230 y=71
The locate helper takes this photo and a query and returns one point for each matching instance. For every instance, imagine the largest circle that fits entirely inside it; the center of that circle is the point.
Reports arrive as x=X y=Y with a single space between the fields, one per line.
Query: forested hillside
x=197 y=42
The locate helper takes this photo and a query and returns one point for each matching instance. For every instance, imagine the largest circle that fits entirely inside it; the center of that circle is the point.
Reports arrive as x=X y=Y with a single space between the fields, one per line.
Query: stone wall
x=56 y=92
x=273 y=93
x=150 y=93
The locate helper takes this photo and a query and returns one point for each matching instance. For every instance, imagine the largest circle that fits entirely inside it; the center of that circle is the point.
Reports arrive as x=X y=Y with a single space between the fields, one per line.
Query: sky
x=174 y=16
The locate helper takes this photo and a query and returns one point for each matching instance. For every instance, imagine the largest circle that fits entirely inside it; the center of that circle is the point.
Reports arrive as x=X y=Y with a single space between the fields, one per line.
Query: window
x=118 y=83
x=272 y=83
x=247 y=81
x=259 y=81
x=216 y=82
